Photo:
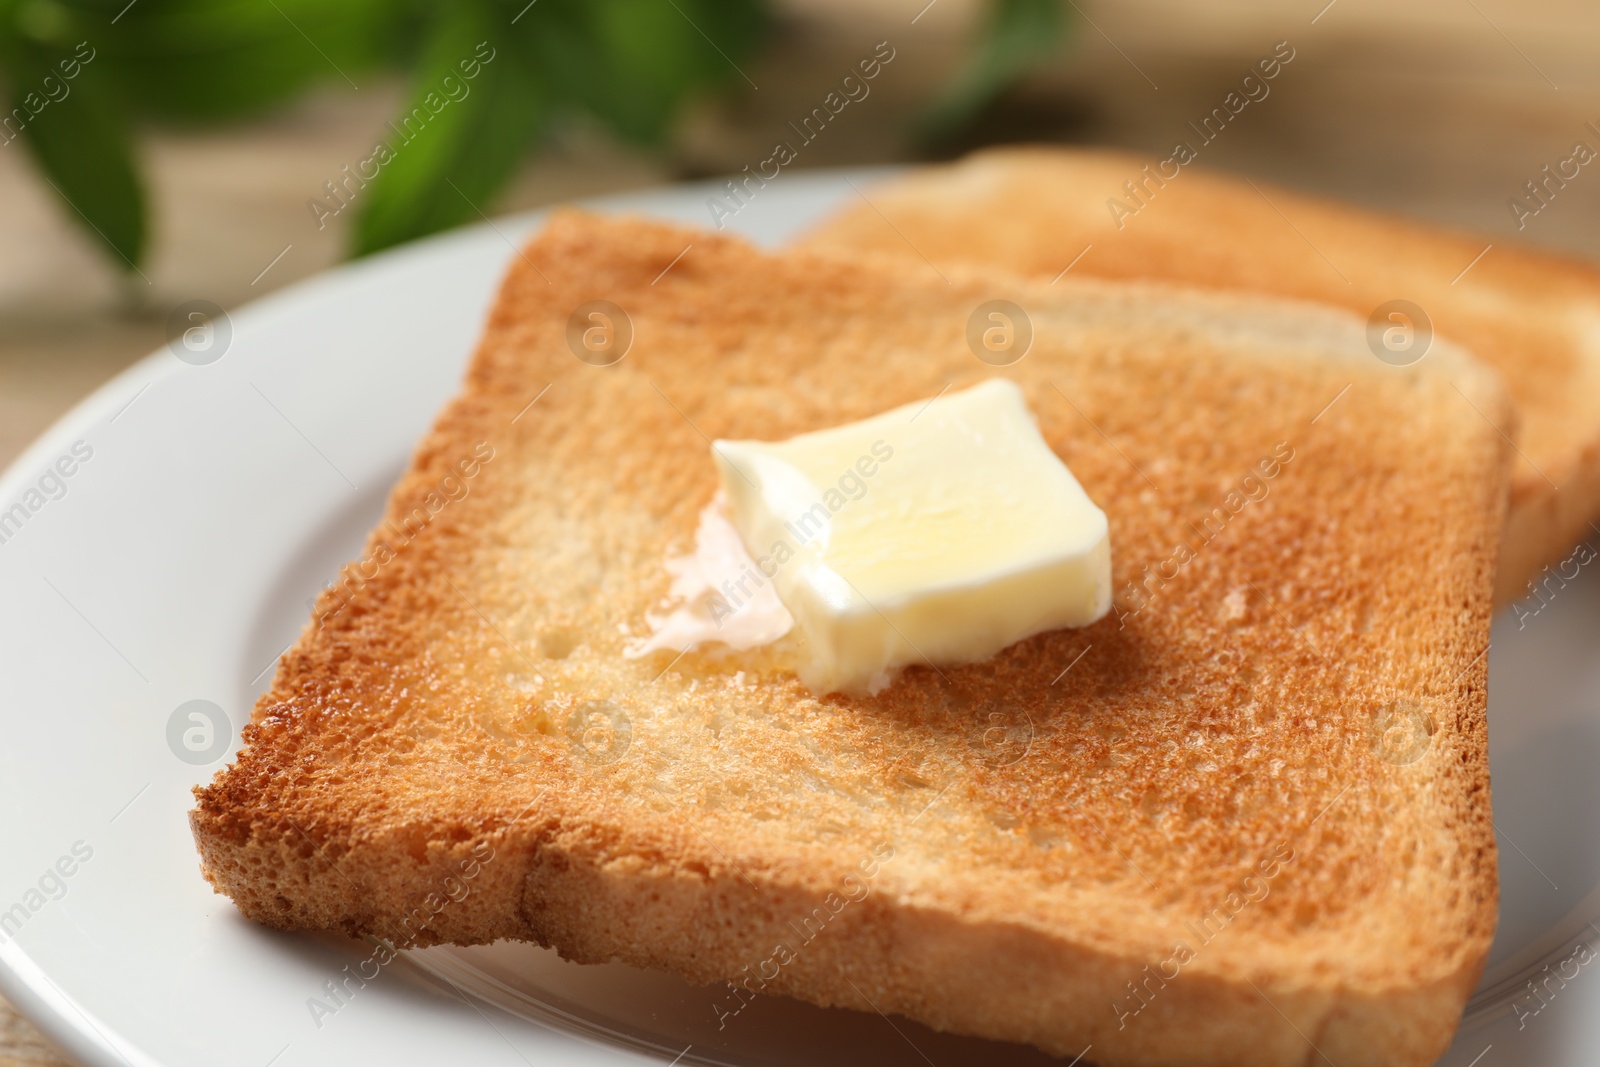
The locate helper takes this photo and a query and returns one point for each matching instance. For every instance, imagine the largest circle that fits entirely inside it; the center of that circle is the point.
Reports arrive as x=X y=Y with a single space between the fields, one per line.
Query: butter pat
x=939 y=532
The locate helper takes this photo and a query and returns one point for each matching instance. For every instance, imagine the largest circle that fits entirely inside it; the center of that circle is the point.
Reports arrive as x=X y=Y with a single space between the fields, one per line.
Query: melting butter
x=939 y=532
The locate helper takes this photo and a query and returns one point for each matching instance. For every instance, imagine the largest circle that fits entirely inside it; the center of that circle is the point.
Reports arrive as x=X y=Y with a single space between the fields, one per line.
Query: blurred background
x=161 y=151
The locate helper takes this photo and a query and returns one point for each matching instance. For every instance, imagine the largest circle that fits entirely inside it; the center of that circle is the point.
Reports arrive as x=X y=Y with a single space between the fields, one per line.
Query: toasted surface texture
x=1265 y=778
x=1533 y=316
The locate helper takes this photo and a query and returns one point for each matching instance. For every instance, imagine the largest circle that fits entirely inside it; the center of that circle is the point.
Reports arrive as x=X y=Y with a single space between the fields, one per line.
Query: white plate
x=176 y=567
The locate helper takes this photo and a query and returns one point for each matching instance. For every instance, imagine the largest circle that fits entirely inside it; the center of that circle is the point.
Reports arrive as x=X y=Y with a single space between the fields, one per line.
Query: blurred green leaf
x=633 y=63
x=213 y=59
x=630 y=63
x=1018 y=36
x=76 y=135
x=659 y=53
x=459 y=138
x=648 y=51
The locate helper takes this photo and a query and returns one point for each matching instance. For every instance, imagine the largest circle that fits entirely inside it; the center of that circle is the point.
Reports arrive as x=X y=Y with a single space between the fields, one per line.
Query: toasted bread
x=1245 y=813
x=1533 y=316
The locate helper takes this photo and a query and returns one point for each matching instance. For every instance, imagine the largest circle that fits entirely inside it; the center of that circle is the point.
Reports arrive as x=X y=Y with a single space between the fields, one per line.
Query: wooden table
x=1438 y=115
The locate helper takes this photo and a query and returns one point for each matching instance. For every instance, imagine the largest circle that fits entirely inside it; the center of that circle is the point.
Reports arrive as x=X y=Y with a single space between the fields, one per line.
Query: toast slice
x=1532 y=316
x=1245 y=812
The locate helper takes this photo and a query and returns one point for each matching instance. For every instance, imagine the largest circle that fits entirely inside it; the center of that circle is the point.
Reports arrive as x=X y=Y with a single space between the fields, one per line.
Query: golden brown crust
x=998 y=849
x=1534 y=316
